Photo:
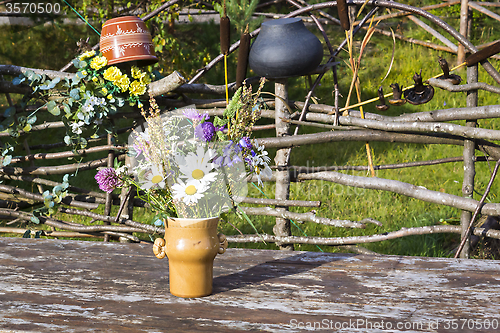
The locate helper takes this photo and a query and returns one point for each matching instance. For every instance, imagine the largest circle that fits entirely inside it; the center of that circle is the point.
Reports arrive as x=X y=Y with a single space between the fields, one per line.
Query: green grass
x=338 y=202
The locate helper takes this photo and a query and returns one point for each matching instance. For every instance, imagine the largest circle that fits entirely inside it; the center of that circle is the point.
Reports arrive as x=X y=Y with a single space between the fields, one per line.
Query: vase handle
x=160 y=248
x=223 y=243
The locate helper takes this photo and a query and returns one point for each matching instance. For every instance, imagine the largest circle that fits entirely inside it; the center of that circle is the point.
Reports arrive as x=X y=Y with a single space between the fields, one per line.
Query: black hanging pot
x=285 y=48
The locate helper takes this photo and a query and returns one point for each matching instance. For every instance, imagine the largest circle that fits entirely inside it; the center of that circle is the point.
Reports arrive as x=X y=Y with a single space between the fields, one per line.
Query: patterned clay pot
x=126 y=39
x=191 y=246
x=285 y=48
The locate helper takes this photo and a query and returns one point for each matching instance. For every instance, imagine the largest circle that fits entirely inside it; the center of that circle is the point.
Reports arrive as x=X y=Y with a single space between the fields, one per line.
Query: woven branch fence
x=424 y=128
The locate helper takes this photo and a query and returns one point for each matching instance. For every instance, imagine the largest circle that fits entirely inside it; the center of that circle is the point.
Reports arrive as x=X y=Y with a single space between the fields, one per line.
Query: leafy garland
x=83 y=102
x=87 y=100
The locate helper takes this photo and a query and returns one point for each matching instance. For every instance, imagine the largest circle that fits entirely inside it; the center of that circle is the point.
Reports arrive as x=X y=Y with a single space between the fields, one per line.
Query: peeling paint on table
x=72 y=286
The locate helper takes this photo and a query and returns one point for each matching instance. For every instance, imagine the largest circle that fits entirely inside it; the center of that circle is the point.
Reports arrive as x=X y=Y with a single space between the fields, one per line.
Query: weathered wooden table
x=71 y=286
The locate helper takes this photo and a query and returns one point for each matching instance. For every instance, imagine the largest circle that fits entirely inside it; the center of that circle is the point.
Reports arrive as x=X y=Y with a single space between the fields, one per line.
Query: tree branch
x=356 y=135
x=453 y=229
x=274 y=202
x=409 y=190
x=66 y=154
x=167 y=84
x=462 y=87
x=68 y=200
x=302 y=217
x=453 y=129
x=56 y=170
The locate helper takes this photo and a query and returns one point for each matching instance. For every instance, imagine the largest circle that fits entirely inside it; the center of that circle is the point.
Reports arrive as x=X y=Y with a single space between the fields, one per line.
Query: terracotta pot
x=285 y=48
x=126 y=39
x=191 y=246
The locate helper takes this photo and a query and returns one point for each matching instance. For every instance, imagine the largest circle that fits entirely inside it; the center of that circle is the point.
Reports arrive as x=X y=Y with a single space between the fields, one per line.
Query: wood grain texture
x=70 y=286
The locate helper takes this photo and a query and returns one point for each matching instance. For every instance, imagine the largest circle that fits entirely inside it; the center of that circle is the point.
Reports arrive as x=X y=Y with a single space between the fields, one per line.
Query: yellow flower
x=137 y=73
x=104 y=90
x=95 y=79
x=110 y=96
x=122 y=82
x=84 y=73
x=98 y=62
x=112 y=73
x=87 y=55
x=136 y=88
x=146 y=79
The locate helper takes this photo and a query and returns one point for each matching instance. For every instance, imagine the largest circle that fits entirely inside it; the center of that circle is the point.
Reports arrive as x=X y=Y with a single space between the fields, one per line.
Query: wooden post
x=464 y=17
x=469 y=167
x=282 y=191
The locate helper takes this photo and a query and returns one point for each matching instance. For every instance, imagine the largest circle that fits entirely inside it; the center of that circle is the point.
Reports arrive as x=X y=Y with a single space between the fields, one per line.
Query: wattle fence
x=349 y=125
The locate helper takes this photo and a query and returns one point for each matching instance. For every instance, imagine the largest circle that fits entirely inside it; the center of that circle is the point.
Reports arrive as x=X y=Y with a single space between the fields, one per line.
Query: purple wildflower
x=245 y=143
x=230 y=155
x=138 y=149
x=205 y=131
x=108 y=180
x=220 y=128
x=194 y=115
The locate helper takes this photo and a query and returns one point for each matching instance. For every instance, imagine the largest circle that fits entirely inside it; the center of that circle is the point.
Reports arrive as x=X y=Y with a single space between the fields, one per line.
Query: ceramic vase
x=191 y=246
x=126 y=39
x=285 y=48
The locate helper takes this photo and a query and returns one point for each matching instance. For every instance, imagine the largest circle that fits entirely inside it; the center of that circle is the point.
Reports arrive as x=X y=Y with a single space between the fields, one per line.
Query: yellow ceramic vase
x=191 y=246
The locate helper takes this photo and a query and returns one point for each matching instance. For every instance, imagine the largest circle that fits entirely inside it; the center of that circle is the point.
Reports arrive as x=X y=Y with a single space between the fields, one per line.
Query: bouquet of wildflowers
x=188 y=166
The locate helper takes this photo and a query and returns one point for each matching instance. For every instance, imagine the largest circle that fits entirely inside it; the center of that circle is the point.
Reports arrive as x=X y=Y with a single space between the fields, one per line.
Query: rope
x=97 y=32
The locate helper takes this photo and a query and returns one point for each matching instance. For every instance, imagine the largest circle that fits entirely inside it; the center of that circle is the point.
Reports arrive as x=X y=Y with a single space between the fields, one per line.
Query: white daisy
x=261 y=152
x=262 y=170
x=154 y=178
x=189 y=192
x=197 y=166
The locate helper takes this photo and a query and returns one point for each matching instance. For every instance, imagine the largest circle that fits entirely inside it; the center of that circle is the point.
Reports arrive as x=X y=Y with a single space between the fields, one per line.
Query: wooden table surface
x=73 y=286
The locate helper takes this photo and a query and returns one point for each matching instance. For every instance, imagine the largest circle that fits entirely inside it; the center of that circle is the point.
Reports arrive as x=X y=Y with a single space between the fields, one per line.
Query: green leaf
x=120 y=101
x=10 y=112
x=75 y=94
x=112 y=109
x=83 y=142
x=75 y=80
x=27 y=128
x=31 y=119
x=53 y=108
x=50 y=84
x=67 y=140
x=18 y=80
x=219 y=122
x=57 y=190
x=6 y=160
x=38 y=233
x=55 y=81
x=66 y=108
x=29 y=74
x=35 y=220
x=27 y=234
